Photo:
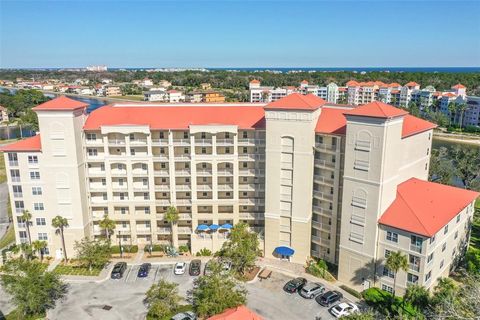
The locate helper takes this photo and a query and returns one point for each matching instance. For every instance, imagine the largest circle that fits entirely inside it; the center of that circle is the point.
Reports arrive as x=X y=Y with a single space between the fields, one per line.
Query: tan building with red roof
x=328 y=181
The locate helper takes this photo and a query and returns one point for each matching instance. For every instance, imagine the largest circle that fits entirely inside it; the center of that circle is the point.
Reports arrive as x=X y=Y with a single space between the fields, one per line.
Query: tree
x=216 y=292
x=162 y=299
x=60 y=223
x=367 y=315
x=396 y=261
x=27 y=218
x=108 y=225
x=39 y=246
x=460 y=302
x=33 y=290
x=466 y=165
x=460 y=110
x=417 y=296
x=172 y=217
x=414 y=109
x=440 y=166
x=445 y=290
x=92 y=253
x=241 y=248
x=472 y=260
x=452 y=108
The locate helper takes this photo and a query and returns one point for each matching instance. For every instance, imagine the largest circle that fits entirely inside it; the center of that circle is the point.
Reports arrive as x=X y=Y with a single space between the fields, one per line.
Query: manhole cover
x=107 y=307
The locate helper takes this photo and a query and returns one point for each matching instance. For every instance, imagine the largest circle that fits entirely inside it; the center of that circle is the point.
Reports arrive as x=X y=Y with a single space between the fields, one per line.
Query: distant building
x=170 y=96
x=99 y=68
x=112 y=90
x=165 y=83
x=154 y=95
x=144 y=82
x=206 y=86
x=194 y=97
x=3 y=114
x=471 y=116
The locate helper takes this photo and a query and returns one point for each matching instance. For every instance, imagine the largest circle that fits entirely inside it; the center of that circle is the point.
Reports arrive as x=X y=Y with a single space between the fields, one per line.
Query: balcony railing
x=116 y=142
x=162 y=142
x=324 y=163
x=181 y=142
x=164 y=230
x=416 y=248
x=414 y=267
x=224 y=142
x=203 y=142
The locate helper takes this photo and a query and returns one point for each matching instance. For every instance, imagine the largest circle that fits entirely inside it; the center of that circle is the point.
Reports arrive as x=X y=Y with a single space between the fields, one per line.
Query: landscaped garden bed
x=76 y=270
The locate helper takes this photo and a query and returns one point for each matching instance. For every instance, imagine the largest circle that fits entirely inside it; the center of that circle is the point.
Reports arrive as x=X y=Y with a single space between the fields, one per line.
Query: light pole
x=120 y=243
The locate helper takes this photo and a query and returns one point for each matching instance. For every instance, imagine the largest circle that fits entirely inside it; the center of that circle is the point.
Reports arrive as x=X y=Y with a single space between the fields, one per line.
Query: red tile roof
x=377 y=109
x=60 y=103
x=28 y=144
x=176 y=117
x=352 y=83
x=424 y=208
x=333 y=121
x=458 y=86
x=297 y=101
x=254 y=81
x=237 y=313
x=449 y=94
x=412 y=84
x=304 y=82
x=413 y=125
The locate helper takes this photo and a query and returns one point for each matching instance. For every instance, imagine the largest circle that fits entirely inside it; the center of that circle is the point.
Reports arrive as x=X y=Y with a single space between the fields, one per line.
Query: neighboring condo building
x=340 y=183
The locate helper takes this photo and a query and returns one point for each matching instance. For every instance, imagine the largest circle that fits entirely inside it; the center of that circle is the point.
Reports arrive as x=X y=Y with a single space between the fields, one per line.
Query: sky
x=239 y=33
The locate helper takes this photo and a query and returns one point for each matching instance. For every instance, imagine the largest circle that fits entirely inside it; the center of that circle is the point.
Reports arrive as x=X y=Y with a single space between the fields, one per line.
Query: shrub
x=155 y=248
x=319 y=268
x=183 y=248
x=204 y=253
x=126 y=249
x=387 y=304
x=353 y=292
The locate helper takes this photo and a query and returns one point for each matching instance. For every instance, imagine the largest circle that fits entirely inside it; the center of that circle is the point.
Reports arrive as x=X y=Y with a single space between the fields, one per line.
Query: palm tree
x=396 y=261
x=27 y=217
x=108 y=225
x=417 y=295
x=39 y=246
x=60 y=223
x=172 y=217
x=452 y=108
x=460 y=109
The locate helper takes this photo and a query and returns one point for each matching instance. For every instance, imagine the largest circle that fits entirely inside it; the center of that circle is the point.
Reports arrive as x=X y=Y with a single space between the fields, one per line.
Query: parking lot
x=123 y=298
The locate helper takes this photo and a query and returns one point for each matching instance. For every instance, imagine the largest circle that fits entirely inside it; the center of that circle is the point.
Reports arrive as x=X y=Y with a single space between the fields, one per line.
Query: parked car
x=118 y=270
x=295 y=285
x=343 y=309
x=195 y=267
x=180 y=268
x=329 y=298
x=311 y=290
x=144 y=270
x=189 y=315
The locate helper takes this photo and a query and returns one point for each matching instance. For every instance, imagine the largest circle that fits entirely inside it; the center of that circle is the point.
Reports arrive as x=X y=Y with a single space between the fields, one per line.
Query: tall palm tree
x=27 y=218
x=60 y=223
x=396 y=261
x=452 y=108
x=172 y=217
x=108 y=225
x=39 y=246
x=460 y=109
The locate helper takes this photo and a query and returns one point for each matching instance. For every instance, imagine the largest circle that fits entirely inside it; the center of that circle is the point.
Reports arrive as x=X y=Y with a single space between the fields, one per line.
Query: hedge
x=126 y=249
x=353 y=292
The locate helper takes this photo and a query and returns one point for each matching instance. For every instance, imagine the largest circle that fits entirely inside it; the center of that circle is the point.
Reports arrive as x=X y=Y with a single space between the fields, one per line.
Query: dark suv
x=329 y=298
x=119 y=270
x=295 y=285
x=195 y=267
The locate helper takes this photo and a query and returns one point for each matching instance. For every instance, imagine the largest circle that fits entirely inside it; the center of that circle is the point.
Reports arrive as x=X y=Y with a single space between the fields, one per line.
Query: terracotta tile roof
x=176 y=117
x=458 y=86
x=352 y=83
x=304 y=82
x=297 y=101
x=413 y=125
x=424 y=208
x=377 y=109
x=395 y=84
x=395 y=91
x=412 y=84
x=61 y=103
x=449 y=94
x=31 y=144
x=237 y=313
x=255 y=81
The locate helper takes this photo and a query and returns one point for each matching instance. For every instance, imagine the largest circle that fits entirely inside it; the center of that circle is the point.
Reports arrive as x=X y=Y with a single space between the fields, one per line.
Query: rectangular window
x=41 y=222
x=428 y=276
x=32 y=159
x=146 y=196
x=104 y=182
x=35 y=175
x=13 y=159
x=445 y=230
x=432 y=239
x=245 y=134
x=387 y=253
x=132 y=151
x=91 y=136
x=387 y=288
x=42 y=236
x=392 y=236
x=15 y=175
x=388 y=273
x=122 y=196
x=36 y=191
x=456 y=235
x=17 y=191
x=19 y=206
x=412 y=278
x=38 y=206
x=123 y=210
x=430 y=257
x=147 y=210
x=458 y=217
x=444 y=247
x=92 y=152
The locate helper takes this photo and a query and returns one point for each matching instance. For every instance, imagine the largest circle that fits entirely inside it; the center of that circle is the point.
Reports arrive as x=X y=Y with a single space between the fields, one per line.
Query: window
x=161 y=135
x=104 y=182
x=13 y=159
x=144 y=166
x=458 y=217
x=428 y=276
x=119 y=166
x=227 y=150
x=185 y=135
x=412 y=278
x=391 y=236
x=41 y=222
x=428 y=151
x=104 y=195
x=132 y=136
x=120 y=182
x=123 y=210
x=132 y=151
x=146 y=196
x=432 y=239
x=23 y=235
x=387 y=288
x=227 y=135
x=147 y=210
x=38 y=206
x=203 y=135
x=42 y=236
x=92 y=152
x=36 y=191
x=162 y=150
x=19 y=206
x=122 y=196
x=145 y=182
x=91 y=136
x=445 y=230
x=245 y=134
x=244 y=165
x=388 y=273
x=163 y=165
x=32 y=159
x=124 y=224
x=444 y=247
x=102 y=167
x=430 y=257
x=387 y=253
x=442 y=263
x=35 y=175
x=15 y=175
x=456 y=235
x=17 y=191
x=185 y=151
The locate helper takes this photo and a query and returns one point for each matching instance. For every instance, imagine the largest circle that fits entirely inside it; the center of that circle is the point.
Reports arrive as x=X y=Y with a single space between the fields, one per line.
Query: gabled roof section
x=61 y=103
x=412 y=84
x=458 y=86
x=176 y=117
x=332 y=121
x=255 y=81
x=237 y=313
x=377 y=109
x=424 y=207
x=297 y=101
x=413 y=125
x=31 y=144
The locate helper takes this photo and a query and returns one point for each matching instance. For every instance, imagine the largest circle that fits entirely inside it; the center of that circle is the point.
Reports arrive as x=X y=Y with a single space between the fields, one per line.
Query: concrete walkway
x=54 y=264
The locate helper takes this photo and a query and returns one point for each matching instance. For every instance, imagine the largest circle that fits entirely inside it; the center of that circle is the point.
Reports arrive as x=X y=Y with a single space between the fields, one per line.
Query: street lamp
x=120 y=243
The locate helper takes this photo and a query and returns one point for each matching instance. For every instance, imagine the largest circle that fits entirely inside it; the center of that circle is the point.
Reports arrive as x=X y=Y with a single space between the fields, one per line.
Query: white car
x=180 y=268
x=343 y=309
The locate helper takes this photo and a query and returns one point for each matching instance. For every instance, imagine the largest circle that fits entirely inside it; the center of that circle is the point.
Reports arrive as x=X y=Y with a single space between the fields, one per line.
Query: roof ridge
x=413 y=211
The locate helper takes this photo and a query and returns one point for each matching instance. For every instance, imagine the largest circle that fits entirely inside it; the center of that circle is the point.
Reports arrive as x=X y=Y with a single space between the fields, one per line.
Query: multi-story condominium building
x=205 y=96
x=112 y=90
x=344 y=184
x=3 y=114
x=169 y=96
x=471 y=116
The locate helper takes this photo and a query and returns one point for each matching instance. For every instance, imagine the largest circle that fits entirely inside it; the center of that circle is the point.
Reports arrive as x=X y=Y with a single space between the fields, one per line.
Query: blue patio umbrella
x=226 y=226
x=202 y=227
x=284 y=251
x=214 y=227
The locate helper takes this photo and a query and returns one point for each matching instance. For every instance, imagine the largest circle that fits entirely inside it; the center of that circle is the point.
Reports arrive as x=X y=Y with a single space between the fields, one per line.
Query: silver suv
x=311 y=290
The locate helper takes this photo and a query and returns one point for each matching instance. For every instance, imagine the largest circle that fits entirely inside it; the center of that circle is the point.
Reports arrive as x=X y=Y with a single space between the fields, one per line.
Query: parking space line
x=128 y=274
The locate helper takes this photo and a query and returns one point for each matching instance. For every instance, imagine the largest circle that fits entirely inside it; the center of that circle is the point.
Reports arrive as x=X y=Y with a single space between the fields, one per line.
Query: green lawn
x=15 y=315
x=8 y=238
x=136 y=97
x=76 y=270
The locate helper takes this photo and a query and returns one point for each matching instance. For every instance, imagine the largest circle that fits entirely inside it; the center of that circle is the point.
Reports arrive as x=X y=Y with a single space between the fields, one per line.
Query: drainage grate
x=107 y=307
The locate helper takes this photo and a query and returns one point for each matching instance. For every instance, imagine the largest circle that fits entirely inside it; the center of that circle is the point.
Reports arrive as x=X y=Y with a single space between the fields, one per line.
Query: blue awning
x=226 y=226
x=214 y=227
x=202 y=227
x=284 y=251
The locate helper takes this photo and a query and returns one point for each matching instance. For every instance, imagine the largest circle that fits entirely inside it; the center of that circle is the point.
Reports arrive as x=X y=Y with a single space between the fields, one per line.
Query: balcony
x=160 y=142
x=203 y=142
x=246 y=142
x=184 y=230
x=416 y=248
x=183 y=187
x=320 y=225
x=323 y=195
x=184 y=202
x=225 y=172
x=185 y=216
x=183 y=173
x=161 y=173
x=92 y=142
x=414 y=267
x=164 y=230
x=182 y=157
x=224 y=142
x=181 y=142
x=13 y=163
x=204 y=172
x=160 y=157
x=204 y=187
x=116 y=142
x=225 y=187
x=143 y=230
x=325 y=164
x=138 y=142
x=325 y=147
x=323 y=180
